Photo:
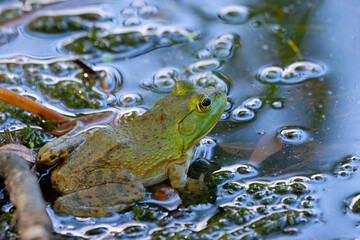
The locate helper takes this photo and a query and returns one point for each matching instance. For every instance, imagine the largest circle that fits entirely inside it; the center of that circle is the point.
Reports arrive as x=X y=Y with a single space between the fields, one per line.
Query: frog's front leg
x=56 y=150
x=178 y=176
x=107 y=191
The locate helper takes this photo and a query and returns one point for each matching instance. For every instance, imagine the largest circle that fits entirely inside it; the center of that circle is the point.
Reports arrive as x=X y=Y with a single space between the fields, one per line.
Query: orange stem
x=31 y=106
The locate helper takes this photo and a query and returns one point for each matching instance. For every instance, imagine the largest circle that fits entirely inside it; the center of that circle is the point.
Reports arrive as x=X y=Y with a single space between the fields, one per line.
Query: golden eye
x=204 y=103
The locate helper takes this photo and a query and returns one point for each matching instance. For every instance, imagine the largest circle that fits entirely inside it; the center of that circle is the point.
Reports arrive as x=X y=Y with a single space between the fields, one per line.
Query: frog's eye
x=204 y=103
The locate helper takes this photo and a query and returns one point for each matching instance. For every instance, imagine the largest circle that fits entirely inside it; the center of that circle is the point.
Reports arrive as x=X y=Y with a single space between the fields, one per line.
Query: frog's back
x=87 y=156
x=142 y=146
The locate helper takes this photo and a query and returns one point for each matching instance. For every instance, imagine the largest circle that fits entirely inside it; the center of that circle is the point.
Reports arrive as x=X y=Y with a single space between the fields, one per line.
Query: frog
x=104 y=171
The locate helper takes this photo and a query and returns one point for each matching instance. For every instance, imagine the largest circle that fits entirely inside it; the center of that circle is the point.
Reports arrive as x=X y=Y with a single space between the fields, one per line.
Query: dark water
x=288 y=142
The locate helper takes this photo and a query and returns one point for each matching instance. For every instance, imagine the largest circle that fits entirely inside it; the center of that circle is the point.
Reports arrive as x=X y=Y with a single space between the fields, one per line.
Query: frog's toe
x=97 y=201
x=194 y=186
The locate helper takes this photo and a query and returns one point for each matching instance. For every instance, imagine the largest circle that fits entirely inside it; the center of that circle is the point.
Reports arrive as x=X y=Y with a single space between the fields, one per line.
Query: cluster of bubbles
x=163 y=81
x=204 y=72
x=210 y=60
x=234 y=14
x=250 y=206
x=293 y=135
x=222 y=47
x=56 y=78
x=246 y=110
x=345 y=170
x=253 y=205
x=99 y=35
x=215 y=79
x=294 y=73
x=136 y=11
x=129 y=41
x=347 y=167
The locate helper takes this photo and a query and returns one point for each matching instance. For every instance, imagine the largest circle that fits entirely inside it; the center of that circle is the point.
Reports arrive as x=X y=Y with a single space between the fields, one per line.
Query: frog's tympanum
x=106 y=170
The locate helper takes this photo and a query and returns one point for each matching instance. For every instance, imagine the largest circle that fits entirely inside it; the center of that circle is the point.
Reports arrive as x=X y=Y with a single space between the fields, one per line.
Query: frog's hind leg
x=104 y=196
x=56 y=150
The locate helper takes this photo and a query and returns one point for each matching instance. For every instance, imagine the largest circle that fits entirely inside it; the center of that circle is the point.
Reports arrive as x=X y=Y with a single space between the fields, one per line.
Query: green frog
x=106 y=170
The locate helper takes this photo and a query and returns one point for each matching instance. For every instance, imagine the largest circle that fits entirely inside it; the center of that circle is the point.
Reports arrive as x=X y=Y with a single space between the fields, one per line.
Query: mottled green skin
x=109 y=168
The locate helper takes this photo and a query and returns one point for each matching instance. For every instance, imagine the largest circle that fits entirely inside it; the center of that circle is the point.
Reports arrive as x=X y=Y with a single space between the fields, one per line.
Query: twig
x=85 y=67
x=32 y=219
x=31 y=106
x=92 y=74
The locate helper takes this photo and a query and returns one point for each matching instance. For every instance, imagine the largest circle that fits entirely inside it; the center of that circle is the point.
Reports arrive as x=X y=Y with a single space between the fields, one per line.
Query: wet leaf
x=265 y=147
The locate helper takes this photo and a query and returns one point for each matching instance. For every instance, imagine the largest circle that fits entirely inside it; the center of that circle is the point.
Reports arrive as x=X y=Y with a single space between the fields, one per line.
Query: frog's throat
x=195 y=140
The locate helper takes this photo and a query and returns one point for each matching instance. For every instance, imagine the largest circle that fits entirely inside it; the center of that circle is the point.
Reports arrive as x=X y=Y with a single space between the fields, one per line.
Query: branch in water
x=26 y=104
x=22 y=186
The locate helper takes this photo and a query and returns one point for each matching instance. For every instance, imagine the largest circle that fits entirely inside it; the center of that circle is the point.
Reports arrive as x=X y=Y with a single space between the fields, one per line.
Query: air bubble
x=277 y=104
x=293 y=135
x=137 y=4
x=174 y=33
x=151 y=29
x=235 y=14
x=223 y=45
x=113 y=79
x=253 y=103
x=318 y=178
x=208 y=79
x=132 y=22
x=164 y=80
x=203 y=54
x=130 y=99
x=130 y=113
x=343 y=174
x=204 y=65
x=224 y=116
x=148 y=11
x=353 y=158
x=242 y=114
x=208 y=142
x=271 y=74
x=355 y=204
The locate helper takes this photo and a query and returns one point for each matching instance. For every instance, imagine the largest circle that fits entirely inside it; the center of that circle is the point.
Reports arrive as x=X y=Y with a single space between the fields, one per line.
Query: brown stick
x=32 y=219
x=31 y=106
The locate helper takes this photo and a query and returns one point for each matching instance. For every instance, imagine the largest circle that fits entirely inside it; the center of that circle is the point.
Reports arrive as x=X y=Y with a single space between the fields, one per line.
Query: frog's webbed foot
x=178 y=180
x=100 y=193
x=56 y=150
x=194 y=186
